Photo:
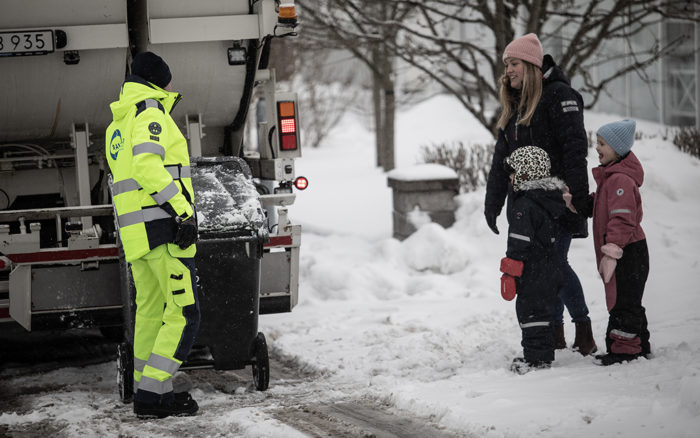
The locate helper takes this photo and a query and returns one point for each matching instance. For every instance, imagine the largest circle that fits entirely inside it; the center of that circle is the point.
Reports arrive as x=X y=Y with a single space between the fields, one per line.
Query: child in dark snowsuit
x=532 y=268
x=620 y=244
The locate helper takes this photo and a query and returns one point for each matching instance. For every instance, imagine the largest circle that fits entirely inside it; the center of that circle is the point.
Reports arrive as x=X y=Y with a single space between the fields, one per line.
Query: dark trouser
x=627 y=326
x=571 y=292
x=536 y=299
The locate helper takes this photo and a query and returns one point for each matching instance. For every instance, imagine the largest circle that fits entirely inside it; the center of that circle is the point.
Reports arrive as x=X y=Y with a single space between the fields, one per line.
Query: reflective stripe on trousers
x=534 y=324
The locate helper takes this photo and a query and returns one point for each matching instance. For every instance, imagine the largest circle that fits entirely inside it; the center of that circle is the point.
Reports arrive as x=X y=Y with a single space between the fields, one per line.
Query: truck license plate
x=26 y=42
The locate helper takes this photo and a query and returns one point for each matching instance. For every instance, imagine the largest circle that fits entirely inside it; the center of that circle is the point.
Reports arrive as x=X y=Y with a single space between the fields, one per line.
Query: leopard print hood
x=528 y=165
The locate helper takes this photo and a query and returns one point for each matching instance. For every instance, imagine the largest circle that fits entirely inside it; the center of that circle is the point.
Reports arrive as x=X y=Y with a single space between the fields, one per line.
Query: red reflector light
x=301 y=183
x=288 y=126
x=289 y=142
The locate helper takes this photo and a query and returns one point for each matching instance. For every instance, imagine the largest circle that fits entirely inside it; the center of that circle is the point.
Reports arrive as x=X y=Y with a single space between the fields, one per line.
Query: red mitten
x=512 y=267
x=508 y=289
x=607 y=267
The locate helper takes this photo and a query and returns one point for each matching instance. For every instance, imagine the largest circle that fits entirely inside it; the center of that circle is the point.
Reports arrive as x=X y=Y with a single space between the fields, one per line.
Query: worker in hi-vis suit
x=154 y=202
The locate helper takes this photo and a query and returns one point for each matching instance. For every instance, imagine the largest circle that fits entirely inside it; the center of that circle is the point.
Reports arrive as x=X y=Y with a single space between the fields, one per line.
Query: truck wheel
x=261 y=364
x=125 y=372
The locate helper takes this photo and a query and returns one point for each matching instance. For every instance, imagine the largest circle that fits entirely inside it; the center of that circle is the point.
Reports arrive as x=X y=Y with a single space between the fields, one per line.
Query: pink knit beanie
x=527 y=48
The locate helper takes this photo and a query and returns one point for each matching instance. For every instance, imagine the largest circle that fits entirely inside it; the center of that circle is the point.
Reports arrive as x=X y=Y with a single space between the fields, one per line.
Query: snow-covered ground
x=420 y=325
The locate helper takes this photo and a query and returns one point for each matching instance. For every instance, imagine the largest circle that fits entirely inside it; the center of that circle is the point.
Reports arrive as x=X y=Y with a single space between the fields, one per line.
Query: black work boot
x=522 y=366
x=181 y=405
x=559 y=339
x=584 y=342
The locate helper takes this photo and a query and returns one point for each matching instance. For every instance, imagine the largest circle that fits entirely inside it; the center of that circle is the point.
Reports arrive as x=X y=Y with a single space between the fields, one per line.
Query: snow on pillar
x=422 y=193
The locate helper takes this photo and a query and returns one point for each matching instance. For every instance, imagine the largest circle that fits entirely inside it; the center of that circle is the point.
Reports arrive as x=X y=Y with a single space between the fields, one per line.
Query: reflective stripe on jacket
x=148 y=157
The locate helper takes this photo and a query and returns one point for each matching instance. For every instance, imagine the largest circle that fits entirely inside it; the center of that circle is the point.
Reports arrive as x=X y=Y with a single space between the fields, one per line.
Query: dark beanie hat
x=152 y=68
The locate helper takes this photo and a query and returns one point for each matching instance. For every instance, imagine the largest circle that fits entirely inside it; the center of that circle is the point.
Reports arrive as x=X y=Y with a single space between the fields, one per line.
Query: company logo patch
x=620 y=192
x=116 y=144
x=518 y=215
x=569 y=105
x=155 y=128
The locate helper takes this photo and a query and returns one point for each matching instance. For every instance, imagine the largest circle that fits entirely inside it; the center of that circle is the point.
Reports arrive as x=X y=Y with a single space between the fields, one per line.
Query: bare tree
x=369 y=30
x=469 y=67
x=427 y=34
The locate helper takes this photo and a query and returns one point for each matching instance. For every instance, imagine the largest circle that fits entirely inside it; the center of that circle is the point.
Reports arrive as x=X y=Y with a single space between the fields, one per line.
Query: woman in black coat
x=539 y=107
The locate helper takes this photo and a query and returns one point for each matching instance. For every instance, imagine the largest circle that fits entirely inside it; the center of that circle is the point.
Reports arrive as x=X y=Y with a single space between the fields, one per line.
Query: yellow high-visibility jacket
x=147 y=155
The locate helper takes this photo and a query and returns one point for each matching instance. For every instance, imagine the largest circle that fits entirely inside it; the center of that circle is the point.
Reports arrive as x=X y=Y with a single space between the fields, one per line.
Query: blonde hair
x=531 y=92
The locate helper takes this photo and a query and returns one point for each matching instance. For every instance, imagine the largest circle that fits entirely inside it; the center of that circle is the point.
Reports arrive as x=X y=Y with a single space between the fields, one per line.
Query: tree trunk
x=389 y=101
x=377 y=100
x=389 y=161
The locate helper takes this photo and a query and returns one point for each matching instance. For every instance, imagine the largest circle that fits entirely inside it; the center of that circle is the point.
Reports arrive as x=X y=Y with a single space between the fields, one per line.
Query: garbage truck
x=61 y=263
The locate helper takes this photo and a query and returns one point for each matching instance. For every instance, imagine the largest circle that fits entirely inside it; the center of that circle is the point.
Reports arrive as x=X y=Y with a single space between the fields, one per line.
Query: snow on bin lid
x=421 y=172
x=225 y=196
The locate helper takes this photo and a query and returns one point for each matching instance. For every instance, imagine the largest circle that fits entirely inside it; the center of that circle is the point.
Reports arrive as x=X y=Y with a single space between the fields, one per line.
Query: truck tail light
x=287 y=122
x=301 y=183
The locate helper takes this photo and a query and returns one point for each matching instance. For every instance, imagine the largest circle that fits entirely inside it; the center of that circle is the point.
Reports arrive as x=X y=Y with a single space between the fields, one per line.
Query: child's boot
x=522 y=366
x=613 y=358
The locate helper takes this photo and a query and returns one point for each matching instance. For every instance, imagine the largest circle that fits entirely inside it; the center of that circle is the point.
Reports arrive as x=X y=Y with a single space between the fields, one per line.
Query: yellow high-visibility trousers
x=166 y=322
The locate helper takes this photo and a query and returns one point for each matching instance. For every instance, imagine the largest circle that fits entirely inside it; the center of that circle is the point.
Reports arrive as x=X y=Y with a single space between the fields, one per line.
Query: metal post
x=195 y=134
x=81 y=142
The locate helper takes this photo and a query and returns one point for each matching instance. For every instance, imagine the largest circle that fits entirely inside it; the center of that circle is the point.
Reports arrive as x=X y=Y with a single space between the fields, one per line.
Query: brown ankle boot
x=559 y=339
x=584 y=342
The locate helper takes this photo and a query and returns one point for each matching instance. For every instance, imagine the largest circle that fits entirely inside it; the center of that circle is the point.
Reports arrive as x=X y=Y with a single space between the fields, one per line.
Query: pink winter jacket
x=617 y=208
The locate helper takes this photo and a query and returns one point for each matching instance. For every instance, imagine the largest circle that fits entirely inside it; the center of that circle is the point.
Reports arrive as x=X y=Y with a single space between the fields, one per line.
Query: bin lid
x=225 y=196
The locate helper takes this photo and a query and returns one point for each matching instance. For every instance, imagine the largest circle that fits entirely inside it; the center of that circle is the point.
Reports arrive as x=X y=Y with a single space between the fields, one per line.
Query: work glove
x=511 y=269
x=186 y=233
x=611 y=254
x=491 y=216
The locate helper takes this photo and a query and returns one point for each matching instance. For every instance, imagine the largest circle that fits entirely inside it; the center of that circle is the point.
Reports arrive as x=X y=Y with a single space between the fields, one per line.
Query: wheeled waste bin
x=232 y=232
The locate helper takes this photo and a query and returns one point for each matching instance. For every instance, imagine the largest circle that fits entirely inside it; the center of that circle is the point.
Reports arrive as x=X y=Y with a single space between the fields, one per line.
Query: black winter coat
x=533 y=225
x=557 y=127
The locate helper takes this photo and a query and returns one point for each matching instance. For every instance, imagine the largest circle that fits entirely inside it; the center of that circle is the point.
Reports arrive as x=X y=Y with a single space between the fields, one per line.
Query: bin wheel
x=261 y=364
x=125 y=372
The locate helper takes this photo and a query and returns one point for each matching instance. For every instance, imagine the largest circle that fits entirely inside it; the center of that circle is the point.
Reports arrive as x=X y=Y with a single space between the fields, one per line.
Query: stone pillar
x=430 y=188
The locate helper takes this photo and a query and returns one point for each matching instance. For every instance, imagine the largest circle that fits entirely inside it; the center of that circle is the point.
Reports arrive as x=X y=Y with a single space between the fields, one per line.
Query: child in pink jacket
x=620 y=244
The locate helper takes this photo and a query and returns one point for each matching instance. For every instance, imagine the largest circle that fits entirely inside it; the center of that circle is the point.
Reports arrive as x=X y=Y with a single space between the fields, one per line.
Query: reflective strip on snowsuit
x=532 y=228
x=167 y=319
x=148 y=157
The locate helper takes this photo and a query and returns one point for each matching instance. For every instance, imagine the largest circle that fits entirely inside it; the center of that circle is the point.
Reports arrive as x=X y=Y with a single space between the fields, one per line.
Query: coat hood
x=134 y=90
x=629 y=165
x=546 y=192
x=552 y=72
